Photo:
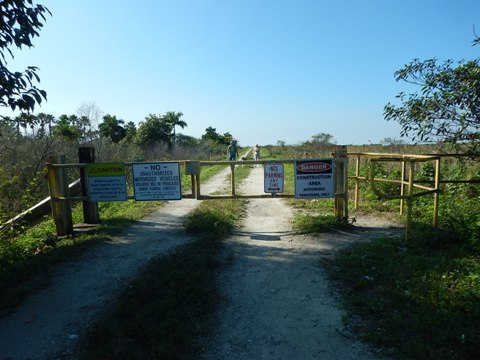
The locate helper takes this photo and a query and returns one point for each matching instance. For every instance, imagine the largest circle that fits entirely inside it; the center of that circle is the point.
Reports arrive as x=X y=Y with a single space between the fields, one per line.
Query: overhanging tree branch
x=20 y=22
x=446 y=108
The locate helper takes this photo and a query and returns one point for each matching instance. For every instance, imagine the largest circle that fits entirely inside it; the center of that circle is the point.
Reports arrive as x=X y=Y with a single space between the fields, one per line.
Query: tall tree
x=112 y=128
x=66 y=127
x=10 y=124
x=20 y=22
x=130 y=131
x=447 y=107
x=154 y=130
x=319 y=144
x=186 y=140
x=211 y=134
x=90 y=111
x=26 y=120
x=46 y=120
x=173 y=118
x=323 y=139
x=225 y=138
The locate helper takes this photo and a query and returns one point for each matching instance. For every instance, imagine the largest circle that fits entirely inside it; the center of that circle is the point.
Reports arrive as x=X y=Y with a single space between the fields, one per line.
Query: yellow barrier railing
x=61 y=198
x=407 y=182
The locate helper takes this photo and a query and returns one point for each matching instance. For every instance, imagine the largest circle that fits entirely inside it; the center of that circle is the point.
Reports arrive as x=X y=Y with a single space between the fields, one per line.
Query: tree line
x=27 y=140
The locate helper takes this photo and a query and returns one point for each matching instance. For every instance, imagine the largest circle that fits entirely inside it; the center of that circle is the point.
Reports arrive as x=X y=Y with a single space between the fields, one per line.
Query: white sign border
x=331 y=190
x=282 y=185
x=178 y=191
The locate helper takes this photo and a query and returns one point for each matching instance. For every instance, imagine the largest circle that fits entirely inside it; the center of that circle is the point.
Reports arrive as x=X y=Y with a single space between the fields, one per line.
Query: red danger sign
x=314 y=167
x=314 y=179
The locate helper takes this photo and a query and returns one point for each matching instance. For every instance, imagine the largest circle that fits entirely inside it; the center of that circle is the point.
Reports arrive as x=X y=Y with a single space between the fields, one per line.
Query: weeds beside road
x=420 y=300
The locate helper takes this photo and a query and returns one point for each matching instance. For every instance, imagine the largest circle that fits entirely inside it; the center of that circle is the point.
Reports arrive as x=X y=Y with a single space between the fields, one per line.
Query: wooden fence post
x=232 y=167
x=357 y=181
x=58 y=185
x=408 y=225
x=341 y=182
x=437 y=192
x=90 y=209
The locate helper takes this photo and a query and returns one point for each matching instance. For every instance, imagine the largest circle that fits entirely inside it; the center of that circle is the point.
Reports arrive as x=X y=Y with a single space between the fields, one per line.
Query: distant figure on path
x=256 y=154
x=232 y=150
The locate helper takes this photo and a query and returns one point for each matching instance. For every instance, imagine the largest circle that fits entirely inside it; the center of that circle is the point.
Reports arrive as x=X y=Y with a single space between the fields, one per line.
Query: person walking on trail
x=256 y=154
x=232 y=150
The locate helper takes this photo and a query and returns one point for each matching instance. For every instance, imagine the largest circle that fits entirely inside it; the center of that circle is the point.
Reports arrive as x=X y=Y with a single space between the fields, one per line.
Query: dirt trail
x=49 y=323
x=277 y=303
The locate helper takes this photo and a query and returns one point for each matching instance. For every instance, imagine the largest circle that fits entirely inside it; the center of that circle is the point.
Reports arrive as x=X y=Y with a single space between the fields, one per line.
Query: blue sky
x=261 y=70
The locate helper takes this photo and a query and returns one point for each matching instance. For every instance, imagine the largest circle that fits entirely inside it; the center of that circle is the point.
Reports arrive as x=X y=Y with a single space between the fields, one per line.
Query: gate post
x=58 y=185
x=232 y=167
x=90 y=209
x=408 y=225
x=341 y=182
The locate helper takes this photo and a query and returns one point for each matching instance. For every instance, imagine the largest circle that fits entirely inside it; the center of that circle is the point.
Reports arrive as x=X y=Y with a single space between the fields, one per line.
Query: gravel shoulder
x=276 y=303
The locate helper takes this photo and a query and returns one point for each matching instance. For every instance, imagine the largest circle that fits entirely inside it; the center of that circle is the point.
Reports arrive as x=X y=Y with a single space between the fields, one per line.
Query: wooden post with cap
x=58 y=186
x=91 y=215
x=341 y=182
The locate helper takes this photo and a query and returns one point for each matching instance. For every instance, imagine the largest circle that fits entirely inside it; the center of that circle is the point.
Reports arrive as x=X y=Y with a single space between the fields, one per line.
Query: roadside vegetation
x=415 y=299
x=28 y=252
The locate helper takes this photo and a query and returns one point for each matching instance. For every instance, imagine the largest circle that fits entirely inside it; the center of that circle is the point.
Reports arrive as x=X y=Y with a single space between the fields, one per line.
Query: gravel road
x=276 y=304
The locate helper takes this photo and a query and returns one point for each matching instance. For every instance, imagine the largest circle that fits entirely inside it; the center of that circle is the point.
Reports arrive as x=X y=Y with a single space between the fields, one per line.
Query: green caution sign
x=106 y=182
x=113 y=169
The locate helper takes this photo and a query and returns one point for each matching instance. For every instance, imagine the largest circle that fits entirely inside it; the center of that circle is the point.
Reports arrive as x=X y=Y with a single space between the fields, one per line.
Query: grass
x=319 y=223
x=413 y=300
x=165 y=311
x=417 y=300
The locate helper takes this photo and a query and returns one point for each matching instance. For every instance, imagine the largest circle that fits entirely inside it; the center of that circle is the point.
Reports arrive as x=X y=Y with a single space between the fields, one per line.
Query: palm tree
x=173 y=118
x=26 y=120
x=66 y=128
x=46 y=119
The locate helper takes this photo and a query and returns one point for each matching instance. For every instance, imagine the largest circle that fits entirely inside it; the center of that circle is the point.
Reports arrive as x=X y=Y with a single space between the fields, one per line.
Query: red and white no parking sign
x=273 y=175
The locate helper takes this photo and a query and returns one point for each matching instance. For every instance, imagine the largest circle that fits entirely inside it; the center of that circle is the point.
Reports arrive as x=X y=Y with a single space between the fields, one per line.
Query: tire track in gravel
x=276 y=300
x=49 y=323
